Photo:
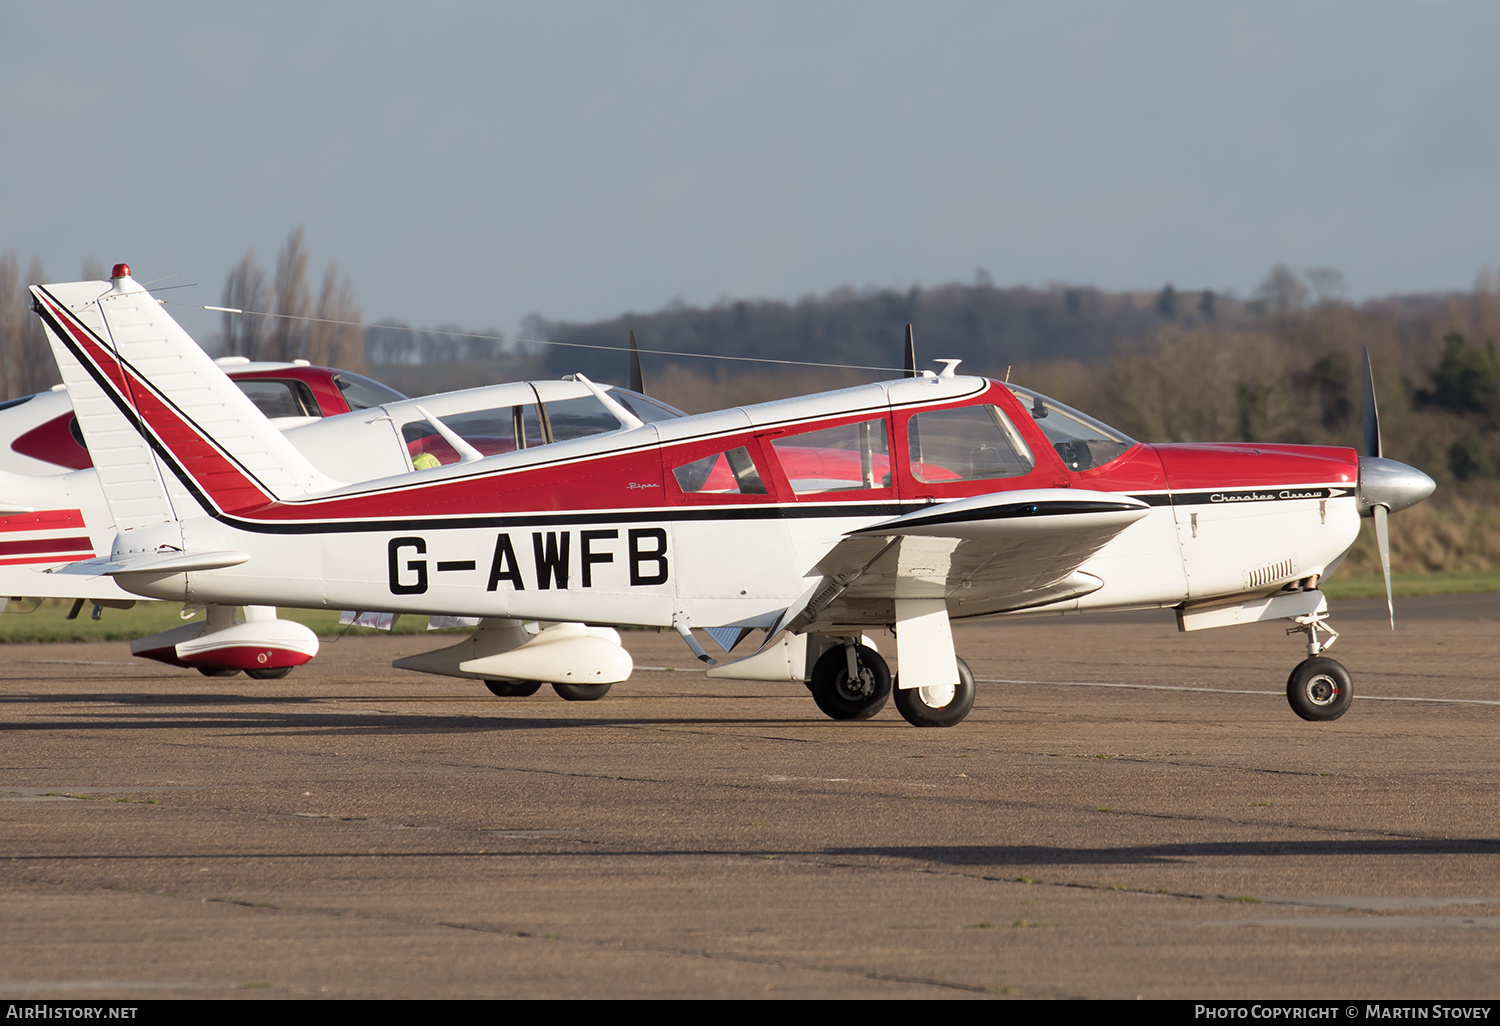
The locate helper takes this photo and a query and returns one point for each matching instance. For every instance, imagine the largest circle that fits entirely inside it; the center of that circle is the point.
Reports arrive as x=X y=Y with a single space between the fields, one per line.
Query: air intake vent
x=1272 y=574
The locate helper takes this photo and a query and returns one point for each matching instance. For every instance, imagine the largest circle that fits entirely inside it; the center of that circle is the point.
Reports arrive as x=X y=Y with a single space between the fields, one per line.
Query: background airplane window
x=361 y=392
x=972 y=443
x=579 y=418
x=281 y=398
x=724 y=473
x=643 y=406
x=836 y=459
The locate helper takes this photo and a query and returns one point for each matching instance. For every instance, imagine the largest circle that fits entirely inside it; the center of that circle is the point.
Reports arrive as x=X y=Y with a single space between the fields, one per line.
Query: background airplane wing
x=986 y=554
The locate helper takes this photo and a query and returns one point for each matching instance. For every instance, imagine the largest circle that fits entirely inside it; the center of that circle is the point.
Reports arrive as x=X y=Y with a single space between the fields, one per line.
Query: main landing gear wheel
x=269 y=672
x=582 y=692
x=1319 y=689
x=513 y=688
x=217 y=671
x=845 y=699
x=938 y=706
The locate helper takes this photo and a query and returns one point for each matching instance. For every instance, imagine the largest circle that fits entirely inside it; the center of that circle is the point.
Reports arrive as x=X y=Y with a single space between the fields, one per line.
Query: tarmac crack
x=600 y=942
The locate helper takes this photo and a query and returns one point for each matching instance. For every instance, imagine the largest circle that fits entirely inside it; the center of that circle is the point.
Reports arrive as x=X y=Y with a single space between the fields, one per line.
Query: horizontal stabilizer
x=175 y=562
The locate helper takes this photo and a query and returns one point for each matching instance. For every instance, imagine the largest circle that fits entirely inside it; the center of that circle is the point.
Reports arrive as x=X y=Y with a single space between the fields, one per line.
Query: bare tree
x=291 y=301
x=25 y=361
x=40 y=369
x=1327 y=284
x=245 y=289
x=335 y=337
x=12 y=315
x=1282 y=294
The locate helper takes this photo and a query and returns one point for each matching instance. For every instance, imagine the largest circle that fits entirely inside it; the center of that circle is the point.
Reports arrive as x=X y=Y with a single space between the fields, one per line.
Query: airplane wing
x=986 y=554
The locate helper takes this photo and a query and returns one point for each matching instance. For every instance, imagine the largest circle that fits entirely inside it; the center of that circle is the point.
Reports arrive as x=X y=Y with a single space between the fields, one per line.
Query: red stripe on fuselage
x=41 y=520
x=14 y=548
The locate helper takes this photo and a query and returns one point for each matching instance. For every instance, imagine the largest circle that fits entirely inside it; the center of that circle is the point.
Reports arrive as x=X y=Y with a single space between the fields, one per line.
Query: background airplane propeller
x=637 y=382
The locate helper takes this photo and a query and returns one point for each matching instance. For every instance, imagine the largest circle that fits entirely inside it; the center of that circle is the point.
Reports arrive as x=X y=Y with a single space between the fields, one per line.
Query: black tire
x=217 y=671
x=269 y=672
x=841 y=700
x=581 y=692
x=1319 y=689
x=913 y=705
x=513 y=688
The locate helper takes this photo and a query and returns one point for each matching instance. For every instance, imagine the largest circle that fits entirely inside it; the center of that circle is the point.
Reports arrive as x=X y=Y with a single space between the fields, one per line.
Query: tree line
x=1282 y=364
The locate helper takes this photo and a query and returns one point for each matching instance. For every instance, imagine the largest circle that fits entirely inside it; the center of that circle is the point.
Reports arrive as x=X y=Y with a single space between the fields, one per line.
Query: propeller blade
x=637 y=383
x=1372 y=416
x=1383 y=542
x=911 y=354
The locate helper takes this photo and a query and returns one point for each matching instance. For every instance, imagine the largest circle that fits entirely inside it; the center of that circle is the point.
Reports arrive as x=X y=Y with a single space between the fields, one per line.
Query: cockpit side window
x=1081 y=441
x=971 y=443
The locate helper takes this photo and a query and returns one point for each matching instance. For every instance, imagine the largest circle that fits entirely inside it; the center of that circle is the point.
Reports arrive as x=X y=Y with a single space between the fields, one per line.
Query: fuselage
x=718 y=519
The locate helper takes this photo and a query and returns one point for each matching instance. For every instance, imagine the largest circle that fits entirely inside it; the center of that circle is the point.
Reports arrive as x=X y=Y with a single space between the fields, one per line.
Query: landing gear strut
x=1319 y=688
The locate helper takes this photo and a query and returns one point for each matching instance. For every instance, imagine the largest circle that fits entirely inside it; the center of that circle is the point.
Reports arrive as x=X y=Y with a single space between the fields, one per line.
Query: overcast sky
x=475 y=162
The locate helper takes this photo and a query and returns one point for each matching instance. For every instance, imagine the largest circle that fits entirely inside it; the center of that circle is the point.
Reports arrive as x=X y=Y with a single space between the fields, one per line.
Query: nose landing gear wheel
x=843 y=699
x=582 y=692
x=513 y=688
x=938 y=706
x=1319 y=689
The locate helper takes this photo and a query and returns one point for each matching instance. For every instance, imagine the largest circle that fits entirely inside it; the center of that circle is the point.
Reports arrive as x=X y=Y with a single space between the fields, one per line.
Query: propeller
x=911 y=354
x=637 y=383
x=1385 y=486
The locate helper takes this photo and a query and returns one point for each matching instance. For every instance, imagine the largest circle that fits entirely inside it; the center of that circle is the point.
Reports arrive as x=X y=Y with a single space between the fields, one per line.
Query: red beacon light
x=120 y=271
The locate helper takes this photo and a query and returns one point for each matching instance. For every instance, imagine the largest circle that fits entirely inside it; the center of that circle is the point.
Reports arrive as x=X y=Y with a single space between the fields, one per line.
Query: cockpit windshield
x=1079 y=439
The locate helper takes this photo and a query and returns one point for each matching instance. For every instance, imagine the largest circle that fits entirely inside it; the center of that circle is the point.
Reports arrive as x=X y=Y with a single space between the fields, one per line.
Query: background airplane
x=894 y=505
x=55 y=512
x=58 y=513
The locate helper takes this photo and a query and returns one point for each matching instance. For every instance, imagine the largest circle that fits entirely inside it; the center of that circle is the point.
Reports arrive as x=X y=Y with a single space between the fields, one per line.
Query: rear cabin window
x=723 y=473
x=838 y=459
x=972 y=443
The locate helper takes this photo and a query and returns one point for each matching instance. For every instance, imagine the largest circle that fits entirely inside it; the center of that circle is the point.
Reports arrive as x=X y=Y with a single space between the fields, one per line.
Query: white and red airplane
x=894 y=505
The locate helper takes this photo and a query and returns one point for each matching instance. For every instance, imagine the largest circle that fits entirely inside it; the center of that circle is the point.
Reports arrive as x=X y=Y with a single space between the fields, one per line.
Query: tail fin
x=158 y=414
